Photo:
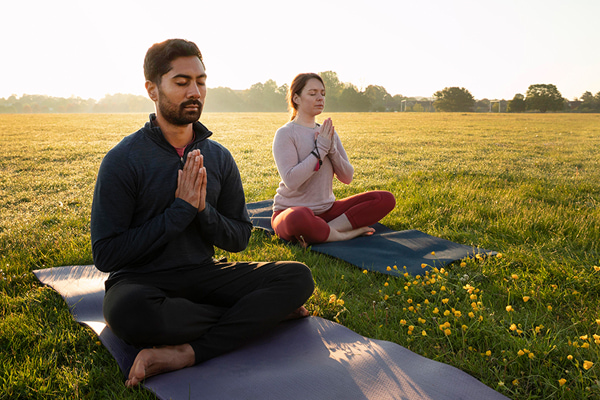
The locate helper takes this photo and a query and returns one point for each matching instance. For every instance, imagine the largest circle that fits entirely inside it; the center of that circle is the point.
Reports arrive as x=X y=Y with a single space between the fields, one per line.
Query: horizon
x=493 y=50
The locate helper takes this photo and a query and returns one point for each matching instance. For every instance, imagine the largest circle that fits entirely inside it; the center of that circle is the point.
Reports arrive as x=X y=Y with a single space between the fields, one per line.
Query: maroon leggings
x=301 y=223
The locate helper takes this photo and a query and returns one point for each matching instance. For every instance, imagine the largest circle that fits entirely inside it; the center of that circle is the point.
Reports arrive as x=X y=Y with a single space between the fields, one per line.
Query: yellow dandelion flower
x=421 y=320
x=386 y=297
x=463 y=264
x=388 y=269
x=471 y=315
x=587 y=364
x=499 y=255
x=549 y=308
x=423 y=265
x=481 y=318
x=488 y=353
x=423 y=332
x=411 y=327
x=598 y=321
x=457 y=314
x=411 y=308
x=447 y=332
x=513 y=327
x=515 y=382
x=514 y=276
x=443 y=288
x=435 y=310
x=410 y=332
x=445 y=301
x=433 y=292
x=398 y=293
x=525 y=299
x=447 y=312
x=569 y=357
x=473 y=297
x=406 y=274
x=405 y=287
x=433 y=253
x=562 y=381
x=585 y=345
x=365 y=271
x=596 y=337
x=426 y=301
x=520 y=353
x=509 y=308
x=409 y=301
x=395 y=267
x=340 y=302
x=402 y=322
x=386 y=284
x=584 y=337
x=530 y=355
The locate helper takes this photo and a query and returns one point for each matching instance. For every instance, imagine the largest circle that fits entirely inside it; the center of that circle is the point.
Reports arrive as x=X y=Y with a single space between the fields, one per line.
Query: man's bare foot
x=158 y=360
x=300 y=312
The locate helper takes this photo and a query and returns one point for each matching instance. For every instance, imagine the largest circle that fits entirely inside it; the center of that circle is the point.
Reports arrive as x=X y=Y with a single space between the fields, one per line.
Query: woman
x=307 y=156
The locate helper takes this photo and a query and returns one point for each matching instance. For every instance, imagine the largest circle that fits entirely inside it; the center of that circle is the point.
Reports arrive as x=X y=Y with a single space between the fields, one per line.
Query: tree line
x=268 y=96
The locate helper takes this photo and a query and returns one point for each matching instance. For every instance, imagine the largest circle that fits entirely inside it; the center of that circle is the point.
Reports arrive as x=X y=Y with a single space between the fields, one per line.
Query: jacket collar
x=201 y=132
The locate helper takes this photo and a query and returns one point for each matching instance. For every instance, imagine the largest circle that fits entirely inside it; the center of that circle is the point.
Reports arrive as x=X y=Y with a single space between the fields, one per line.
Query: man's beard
x=177 y=114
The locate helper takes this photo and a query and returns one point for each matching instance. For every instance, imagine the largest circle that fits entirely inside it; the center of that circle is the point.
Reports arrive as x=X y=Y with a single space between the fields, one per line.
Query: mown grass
x=527 y=186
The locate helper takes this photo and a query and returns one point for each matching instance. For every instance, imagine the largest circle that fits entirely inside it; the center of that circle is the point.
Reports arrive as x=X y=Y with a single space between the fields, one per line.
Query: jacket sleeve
x=226 y=224
x=339 y=159
x=293 y=172
x=115 y=243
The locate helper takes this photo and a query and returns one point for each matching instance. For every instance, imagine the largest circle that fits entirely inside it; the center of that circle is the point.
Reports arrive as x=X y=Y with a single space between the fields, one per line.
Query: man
x=164 y=197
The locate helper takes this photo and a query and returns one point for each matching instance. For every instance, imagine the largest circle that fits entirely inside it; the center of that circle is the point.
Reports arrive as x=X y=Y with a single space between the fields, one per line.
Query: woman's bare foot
x=337 y=236
x=158 y=360
x=300 y=312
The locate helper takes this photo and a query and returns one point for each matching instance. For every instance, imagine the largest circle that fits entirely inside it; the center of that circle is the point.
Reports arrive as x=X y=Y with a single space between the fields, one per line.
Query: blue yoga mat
x=311 y=358
x=385 y=248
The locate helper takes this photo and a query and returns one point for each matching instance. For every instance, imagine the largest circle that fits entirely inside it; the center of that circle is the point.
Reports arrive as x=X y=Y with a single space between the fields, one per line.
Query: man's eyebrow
x=188 y=76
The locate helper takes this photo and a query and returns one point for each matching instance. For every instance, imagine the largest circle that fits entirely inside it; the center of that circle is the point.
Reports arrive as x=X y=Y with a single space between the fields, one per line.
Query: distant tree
x=222 y=99
x=353 y=100
x=589 y=102
x=544 y=97
x=517 y=104
x=454 y=99
x=418 y=108
x=482 y=105
x=333 y=90
x=378 y=97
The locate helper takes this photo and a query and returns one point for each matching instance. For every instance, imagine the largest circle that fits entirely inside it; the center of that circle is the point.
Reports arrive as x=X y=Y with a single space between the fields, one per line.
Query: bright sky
x=494 y=49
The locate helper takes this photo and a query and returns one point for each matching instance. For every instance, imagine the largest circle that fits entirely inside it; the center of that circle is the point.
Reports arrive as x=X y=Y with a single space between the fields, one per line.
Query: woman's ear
x=295 y=98
x=152 y=90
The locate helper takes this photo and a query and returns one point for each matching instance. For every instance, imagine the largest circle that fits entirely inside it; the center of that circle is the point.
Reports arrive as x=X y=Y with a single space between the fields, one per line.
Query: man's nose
x=194 y=91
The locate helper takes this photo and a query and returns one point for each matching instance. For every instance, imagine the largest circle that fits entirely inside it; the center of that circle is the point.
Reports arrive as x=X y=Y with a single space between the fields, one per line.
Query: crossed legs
x=192 y=316
x=346 y=219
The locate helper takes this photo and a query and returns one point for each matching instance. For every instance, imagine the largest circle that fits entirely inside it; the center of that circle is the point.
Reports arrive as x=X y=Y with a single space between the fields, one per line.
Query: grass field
x=528 y=186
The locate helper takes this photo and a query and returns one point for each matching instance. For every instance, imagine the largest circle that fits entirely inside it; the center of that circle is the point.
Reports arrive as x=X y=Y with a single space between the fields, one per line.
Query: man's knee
x=300 y=276
x=131 y=316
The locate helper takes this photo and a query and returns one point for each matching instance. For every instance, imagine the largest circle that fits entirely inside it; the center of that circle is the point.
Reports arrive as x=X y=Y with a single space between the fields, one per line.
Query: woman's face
x=312 y=98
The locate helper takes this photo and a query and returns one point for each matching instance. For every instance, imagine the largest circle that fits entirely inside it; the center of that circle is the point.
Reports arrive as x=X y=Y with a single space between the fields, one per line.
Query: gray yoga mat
x=310 y=358
x=385 y=248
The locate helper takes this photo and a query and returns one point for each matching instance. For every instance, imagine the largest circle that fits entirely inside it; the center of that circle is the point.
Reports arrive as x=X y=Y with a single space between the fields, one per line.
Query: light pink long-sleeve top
x=300 y=184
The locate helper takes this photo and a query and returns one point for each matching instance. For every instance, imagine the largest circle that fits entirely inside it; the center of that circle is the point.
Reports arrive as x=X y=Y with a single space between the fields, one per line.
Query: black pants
x=214 y=308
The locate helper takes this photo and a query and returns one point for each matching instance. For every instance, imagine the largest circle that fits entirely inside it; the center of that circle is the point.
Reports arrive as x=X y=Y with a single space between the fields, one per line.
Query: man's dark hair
x=160 y=56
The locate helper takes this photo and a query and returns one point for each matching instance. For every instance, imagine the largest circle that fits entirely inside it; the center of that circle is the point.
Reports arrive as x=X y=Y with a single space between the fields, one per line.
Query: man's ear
x=152 y=90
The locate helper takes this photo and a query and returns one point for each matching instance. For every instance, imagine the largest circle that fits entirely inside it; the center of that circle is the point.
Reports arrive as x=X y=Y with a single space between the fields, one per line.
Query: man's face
x=182 y=91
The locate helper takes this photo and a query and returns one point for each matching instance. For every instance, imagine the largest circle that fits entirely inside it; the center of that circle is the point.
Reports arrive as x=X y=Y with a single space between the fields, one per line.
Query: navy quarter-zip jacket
x=137 y=224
